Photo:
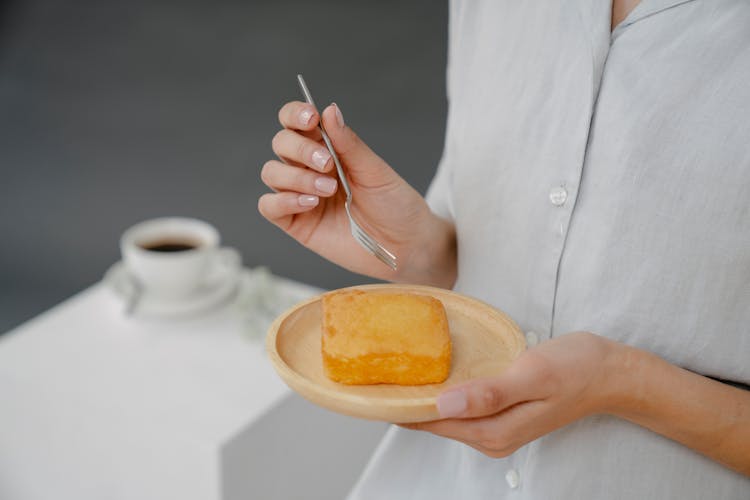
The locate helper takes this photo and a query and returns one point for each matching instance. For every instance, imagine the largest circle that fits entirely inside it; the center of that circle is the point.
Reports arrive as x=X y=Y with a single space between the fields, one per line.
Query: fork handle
x=326 y=139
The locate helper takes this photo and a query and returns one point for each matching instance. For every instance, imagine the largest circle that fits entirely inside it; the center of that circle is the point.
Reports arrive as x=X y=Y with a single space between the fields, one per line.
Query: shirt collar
x=645 y=9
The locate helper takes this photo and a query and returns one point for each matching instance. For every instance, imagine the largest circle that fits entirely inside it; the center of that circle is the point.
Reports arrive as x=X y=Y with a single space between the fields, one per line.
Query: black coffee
x=169 y=246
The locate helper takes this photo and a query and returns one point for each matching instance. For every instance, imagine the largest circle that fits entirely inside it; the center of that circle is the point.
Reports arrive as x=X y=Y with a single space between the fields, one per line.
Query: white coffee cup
x=172 y=257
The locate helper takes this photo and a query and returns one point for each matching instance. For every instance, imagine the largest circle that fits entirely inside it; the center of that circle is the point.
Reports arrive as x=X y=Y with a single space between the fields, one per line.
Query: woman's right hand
x=308 y=204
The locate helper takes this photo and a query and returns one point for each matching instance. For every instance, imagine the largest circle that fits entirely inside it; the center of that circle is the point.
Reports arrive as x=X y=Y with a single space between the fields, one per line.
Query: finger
x=299 y=150
x=282 y=177
x=488 y=396
x=499 y=434
x=280 y=207
x=298 y=115
x=468 y=430
x=360 y=160
x=426 y=427
x=456 y=436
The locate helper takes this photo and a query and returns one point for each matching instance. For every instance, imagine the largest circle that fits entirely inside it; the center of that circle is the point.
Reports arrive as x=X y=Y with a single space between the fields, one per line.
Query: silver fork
x=359 y=234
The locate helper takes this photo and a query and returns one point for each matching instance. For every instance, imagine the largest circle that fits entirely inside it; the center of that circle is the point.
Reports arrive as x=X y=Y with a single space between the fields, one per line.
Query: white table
x=94 y=404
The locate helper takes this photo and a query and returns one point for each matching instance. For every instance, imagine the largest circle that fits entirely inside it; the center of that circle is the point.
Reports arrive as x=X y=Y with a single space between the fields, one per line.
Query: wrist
x=433 y=256
x=705 y=415
x=630 y=372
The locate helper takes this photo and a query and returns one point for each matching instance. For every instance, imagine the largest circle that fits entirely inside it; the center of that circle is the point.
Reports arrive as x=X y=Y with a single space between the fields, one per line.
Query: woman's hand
x=309 y=206
x=547 y=387
x=580 y=374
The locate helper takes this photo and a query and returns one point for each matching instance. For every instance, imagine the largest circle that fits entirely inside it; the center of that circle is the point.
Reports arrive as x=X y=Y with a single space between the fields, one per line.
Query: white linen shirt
x=598 y=181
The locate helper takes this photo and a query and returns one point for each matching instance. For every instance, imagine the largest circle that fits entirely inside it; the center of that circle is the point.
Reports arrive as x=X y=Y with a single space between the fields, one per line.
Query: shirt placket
x=560 y=191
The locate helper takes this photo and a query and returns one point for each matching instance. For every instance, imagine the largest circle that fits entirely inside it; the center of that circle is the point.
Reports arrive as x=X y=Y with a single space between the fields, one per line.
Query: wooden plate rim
x=294 y=378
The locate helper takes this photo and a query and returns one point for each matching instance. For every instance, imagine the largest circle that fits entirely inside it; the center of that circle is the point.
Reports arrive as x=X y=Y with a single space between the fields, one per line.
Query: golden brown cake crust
x=396 y=338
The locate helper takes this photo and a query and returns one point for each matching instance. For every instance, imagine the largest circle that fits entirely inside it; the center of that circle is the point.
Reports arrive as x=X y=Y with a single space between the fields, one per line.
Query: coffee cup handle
x=223 y=259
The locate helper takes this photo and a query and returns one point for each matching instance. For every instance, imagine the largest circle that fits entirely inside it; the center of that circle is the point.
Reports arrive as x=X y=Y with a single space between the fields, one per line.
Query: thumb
x=485 y=396
x=359 y=161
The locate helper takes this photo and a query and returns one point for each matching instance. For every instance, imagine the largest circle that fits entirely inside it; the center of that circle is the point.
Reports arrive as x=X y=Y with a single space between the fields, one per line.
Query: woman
x=595 y=180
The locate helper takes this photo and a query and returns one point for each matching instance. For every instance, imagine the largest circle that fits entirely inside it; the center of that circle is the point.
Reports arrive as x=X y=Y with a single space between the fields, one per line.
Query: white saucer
x=225 y=279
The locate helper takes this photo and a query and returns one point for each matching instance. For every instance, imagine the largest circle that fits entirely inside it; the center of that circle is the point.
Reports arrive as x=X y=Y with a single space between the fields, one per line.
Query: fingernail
x=305 y=200
x=451 y=404
x=326 y=185
x=320 y=157
x=305 y=116
x=339 y=116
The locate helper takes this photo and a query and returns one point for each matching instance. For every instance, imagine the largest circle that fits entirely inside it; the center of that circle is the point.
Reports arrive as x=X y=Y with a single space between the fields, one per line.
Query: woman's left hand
x=581 y=374
x=547 y=387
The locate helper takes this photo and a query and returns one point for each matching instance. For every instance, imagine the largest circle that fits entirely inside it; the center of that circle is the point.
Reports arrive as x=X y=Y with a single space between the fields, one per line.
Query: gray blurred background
x=114 y=112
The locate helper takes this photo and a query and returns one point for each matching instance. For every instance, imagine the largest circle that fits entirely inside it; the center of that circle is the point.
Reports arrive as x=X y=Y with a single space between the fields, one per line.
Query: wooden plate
x=485 y=341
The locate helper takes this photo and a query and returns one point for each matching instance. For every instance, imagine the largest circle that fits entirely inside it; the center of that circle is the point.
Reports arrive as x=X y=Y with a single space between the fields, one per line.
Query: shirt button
x=532 y=339
x=558 y=195
x=512 y=478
